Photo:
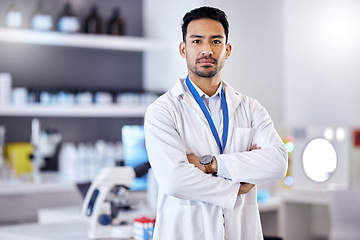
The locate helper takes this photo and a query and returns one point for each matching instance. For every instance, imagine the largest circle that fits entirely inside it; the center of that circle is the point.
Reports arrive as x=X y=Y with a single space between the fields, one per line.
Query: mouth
x=206 y=62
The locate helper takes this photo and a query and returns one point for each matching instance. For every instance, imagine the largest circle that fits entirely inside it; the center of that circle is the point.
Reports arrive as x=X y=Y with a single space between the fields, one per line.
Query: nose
x=207 y=50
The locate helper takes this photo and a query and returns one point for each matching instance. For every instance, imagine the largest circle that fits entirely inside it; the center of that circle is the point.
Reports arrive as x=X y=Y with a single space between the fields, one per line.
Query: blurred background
x=76 y=77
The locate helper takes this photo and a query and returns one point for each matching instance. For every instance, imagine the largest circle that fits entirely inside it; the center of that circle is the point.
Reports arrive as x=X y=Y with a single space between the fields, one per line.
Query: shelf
x=73 y=111
x=124 y=43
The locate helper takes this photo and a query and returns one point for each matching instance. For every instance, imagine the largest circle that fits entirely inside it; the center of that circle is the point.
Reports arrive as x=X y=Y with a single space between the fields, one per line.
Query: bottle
x=5 y=88
x=116 y=24
x=93 y=22
x=68 y=22
x=68 y=161
x=41 y=20
x=13 y=17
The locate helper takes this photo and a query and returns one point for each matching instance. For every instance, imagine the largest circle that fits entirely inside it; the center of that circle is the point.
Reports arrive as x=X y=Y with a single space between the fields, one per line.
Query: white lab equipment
x=106 y=197
x=46 y=145
x=37 y=160
x=324 y=158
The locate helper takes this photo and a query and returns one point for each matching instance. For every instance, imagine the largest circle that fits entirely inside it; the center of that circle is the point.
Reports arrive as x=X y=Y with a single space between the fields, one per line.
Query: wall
x=255 y=66
x=321 y=62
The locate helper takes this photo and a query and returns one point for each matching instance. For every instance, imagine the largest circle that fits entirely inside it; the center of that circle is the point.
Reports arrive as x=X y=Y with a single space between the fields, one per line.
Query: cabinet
x=83 y=61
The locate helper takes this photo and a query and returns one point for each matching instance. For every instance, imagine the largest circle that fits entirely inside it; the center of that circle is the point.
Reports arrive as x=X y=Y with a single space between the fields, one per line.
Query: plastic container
x=5 y=88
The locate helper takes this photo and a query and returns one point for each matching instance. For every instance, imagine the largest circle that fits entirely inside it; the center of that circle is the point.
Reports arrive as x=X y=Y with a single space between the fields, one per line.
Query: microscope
x=46 y=145
x=107 y=196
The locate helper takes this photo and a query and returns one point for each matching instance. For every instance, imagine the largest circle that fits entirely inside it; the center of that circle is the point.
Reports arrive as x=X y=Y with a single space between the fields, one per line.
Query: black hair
x=205 y=12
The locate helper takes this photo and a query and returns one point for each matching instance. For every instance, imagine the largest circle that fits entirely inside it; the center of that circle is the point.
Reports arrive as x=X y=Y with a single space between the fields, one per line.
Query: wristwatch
x=206 y=160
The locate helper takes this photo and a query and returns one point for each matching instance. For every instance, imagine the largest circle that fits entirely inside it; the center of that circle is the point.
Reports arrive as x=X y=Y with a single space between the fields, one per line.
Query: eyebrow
x=201 y=36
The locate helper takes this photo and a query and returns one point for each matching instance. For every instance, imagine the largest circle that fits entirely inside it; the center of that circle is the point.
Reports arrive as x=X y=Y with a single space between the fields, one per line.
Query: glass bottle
x=93 y=21
x=41 y=20
x=68 y=22
x=13 y=17
x=116 y=24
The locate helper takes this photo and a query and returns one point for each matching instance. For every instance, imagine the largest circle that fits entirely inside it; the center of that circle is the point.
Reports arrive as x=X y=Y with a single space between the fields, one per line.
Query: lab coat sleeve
x=263 y=165
x=221 y=168
x=174 y=174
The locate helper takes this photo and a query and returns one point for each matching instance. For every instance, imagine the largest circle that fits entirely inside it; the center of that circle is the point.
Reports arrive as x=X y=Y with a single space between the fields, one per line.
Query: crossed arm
x=244 y=187
x=179 y=179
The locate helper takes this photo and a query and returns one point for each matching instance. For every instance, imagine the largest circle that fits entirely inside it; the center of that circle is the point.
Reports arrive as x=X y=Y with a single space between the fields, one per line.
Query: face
x=205 y=48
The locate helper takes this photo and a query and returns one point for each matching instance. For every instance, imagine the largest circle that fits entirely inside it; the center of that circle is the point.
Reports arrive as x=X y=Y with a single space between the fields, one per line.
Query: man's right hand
x=245 y=188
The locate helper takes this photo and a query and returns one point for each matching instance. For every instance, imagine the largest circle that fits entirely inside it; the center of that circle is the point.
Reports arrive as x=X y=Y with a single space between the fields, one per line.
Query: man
x=203 y=140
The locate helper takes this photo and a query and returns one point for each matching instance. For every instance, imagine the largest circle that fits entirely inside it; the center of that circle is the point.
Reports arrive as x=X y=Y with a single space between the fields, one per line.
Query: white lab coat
x=193 y=205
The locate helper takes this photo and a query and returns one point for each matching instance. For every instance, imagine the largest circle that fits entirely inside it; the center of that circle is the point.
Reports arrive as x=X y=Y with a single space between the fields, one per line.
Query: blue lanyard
x=208 y=117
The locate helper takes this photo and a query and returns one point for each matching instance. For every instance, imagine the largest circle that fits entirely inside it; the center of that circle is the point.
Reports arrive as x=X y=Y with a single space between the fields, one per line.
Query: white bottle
x=68 y=22
x=68 y=161
x=13 y=17
x=5 y=88
x=41 y=20
x=19 y=96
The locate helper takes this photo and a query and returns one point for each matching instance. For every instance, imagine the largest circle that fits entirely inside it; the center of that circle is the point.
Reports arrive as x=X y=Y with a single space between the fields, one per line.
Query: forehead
x=205 y=27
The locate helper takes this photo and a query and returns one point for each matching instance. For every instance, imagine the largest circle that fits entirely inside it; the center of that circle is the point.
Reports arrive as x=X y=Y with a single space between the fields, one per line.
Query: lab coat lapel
x=193 y=105
x=233 y=99
x=182 y=95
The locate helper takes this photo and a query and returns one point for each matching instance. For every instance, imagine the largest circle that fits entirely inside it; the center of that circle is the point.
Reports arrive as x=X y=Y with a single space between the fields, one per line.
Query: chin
x=206 y=75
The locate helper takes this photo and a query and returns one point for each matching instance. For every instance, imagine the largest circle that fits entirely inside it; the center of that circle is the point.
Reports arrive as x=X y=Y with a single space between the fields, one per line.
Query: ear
x=182 y=49
x=228 y=50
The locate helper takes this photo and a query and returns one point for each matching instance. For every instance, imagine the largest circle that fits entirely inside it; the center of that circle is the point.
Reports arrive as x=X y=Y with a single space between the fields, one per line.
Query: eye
x=217 y=41
x=196 y=41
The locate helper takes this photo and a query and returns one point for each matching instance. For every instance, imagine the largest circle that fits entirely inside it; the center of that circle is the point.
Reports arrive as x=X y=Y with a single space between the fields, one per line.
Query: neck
x=207 y=85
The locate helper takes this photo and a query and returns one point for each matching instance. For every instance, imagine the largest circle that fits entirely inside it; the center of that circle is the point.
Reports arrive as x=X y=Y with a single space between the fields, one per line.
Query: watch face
x=205 y=160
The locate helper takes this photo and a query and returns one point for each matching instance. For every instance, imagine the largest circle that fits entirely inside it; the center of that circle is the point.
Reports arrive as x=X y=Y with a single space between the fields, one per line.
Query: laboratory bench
x=35 y=231
x=63 y=223
x=22 y=198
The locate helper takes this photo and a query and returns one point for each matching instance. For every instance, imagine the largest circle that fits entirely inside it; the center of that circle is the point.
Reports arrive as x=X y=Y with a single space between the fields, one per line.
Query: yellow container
x=18 y=155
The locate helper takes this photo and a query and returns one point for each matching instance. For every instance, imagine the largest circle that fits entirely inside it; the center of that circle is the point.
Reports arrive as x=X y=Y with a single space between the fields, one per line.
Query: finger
x=255 y=147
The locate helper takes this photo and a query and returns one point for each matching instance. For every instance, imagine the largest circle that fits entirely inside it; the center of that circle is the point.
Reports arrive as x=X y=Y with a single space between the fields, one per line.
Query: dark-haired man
x=203 y=140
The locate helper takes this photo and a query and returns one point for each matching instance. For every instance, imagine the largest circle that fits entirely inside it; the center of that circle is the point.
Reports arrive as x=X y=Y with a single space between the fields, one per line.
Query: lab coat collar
x=233 y=97
x=202 y=94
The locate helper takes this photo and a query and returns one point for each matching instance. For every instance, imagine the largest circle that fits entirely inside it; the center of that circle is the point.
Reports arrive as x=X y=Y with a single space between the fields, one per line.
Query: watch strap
x=208 y=168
